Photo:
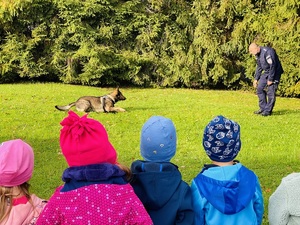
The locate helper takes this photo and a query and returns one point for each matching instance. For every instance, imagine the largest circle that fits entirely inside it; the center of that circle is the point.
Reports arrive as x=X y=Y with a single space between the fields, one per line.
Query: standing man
x=267 y=82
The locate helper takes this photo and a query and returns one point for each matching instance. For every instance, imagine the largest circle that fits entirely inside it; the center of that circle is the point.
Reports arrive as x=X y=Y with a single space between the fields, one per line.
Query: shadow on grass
x=285 y=112
x=134 y=108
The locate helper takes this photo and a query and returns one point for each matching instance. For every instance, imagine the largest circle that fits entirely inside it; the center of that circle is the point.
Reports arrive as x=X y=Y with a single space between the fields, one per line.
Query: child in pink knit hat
x=17 y=205
x=96 y=190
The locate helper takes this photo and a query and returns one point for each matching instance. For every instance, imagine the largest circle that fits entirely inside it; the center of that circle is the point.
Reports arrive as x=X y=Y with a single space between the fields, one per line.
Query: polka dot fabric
x=96 y=204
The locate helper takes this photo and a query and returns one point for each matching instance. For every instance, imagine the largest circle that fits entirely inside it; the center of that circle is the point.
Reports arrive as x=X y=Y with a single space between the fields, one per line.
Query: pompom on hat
x=84 y=141
x=221 y=139
x=16 y=163
x=158 y=139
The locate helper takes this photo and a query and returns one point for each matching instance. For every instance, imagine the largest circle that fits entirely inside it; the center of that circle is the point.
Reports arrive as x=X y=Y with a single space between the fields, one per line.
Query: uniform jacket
x=165 y=196
x=25 y=213
x=268 y=61
x=228 y=195
x=94 y=195
x=284 y=207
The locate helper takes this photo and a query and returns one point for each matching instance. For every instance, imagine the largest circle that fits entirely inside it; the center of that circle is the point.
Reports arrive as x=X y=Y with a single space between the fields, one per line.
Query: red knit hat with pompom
x=84 y=141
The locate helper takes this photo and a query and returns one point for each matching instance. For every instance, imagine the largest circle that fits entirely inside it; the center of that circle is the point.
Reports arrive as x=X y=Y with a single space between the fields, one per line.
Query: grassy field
x=270 y=145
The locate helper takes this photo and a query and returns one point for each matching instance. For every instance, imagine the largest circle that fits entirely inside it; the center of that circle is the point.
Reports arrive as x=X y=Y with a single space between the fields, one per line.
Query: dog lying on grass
x=99 y=104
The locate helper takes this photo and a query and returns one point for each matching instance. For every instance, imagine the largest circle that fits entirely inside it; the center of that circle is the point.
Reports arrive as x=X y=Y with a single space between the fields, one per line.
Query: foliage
x=25 y=38
x=279 y=27
x=270 y=146
x=198 y=44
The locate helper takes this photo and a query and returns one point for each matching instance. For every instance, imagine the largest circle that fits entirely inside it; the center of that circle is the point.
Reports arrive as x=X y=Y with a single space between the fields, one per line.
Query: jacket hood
x=228 y=196
x=154 y=182
x=104 y=173
x=93 y=172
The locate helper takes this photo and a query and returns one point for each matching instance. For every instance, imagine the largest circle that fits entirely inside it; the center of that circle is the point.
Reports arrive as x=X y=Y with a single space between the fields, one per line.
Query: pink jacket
x=95 y=204
x=25 y=214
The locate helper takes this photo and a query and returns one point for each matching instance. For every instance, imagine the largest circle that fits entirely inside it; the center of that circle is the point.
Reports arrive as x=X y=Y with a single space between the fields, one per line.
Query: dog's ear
x=115 y=91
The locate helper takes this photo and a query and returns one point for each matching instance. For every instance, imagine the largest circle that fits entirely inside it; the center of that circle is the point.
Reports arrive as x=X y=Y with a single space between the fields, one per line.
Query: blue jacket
x=228 y=195
x=268 y=61
x=166 y=197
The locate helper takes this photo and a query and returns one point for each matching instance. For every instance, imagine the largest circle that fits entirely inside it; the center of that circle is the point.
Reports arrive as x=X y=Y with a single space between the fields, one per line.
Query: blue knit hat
x=221 y=139
x=158 y=139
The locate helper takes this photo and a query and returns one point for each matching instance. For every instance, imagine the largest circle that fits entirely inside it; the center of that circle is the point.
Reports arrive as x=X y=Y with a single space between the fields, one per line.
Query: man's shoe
x=266 y=114
x=258 y=111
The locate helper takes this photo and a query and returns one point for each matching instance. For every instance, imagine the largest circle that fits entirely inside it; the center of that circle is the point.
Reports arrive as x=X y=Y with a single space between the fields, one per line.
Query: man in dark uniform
x=267 y=82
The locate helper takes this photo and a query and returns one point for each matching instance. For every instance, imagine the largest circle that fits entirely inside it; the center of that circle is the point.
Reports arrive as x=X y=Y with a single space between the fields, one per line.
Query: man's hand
x=255 y=83
x=269 y=83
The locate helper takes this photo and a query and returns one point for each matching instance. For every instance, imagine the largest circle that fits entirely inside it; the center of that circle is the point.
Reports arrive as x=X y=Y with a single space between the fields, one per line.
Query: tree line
x=148 y=43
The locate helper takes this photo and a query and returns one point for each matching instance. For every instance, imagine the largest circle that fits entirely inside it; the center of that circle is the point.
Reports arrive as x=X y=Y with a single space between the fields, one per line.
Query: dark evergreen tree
x=180 y=43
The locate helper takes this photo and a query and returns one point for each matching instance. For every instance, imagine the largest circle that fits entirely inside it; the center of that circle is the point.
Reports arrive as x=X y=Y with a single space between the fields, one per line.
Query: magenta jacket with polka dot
x=94 y=205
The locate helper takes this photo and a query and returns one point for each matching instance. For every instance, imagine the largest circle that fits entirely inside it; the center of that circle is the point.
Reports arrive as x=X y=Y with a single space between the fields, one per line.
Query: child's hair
x=6 y=198
x=127 y=171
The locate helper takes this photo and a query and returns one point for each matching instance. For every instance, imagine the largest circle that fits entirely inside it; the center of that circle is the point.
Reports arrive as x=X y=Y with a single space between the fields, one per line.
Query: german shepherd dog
x=97 y=104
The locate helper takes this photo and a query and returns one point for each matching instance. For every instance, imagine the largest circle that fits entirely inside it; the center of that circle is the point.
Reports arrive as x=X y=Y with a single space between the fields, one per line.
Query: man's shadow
x=285 y=111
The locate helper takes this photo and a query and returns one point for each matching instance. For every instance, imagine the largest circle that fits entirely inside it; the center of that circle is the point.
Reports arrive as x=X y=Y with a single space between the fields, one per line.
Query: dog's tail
x=65 y=107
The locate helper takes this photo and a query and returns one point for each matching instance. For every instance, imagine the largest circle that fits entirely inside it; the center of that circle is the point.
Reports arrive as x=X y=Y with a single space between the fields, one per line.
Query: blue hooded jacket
x=228 y=195
x=166 y=197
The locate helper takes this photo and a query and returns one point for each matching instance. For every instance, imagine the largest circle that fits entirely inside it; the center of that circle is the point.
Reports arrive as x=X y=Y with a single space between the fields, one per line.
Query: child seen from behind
x=225 y=191
x=157 y=181
x=95 y=189
x=17 y=205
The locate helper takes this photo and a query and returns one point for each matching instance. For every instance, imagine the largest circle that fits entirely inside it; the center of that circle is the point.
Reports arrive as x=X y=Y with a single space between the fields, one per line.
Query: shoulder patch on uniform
x=269 y=59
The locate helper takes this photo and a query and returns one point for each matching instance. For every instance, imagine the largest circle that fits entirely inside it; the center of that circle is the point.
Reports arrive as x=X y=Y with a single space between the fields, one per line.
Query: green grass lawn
x=270 y=145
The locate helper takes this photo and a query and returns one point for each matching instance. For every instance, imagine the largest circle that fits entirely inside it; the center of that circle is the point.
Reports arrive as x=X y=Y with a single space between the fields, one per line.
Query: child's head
x=16 y=167
x=221 y=139
x=84 y=141
x=158 y=139
x=16 y=163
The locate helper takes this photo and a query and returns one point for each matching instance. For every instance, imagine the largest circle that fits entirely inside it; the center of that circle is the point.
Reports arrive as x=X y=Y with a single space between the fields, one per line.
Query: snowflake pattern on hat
x=221 y=139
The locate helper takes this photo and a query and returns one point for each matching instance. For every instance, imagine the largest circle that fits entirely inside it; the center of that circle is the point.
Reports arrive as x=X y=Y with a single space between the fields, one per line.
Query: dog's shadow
x=131 y=109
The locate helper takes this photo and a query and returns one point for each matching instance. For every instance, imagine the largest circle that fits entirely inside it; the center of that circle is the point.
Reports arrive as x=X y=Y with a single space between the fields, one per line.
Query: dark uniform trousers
x=266 y=94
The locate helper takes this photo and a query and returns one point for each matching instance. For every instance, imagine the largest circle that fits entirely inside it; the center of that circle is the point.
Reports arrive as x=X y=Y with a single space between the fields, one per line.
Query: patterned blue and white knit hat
x=221 y=139
x=158 y=139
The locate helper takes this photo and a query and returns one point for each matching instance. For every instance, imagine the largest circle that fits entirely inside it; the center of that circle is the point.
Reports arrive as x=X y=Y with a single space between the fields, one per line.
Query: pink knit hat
x=16 y=163
x=84 y=141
